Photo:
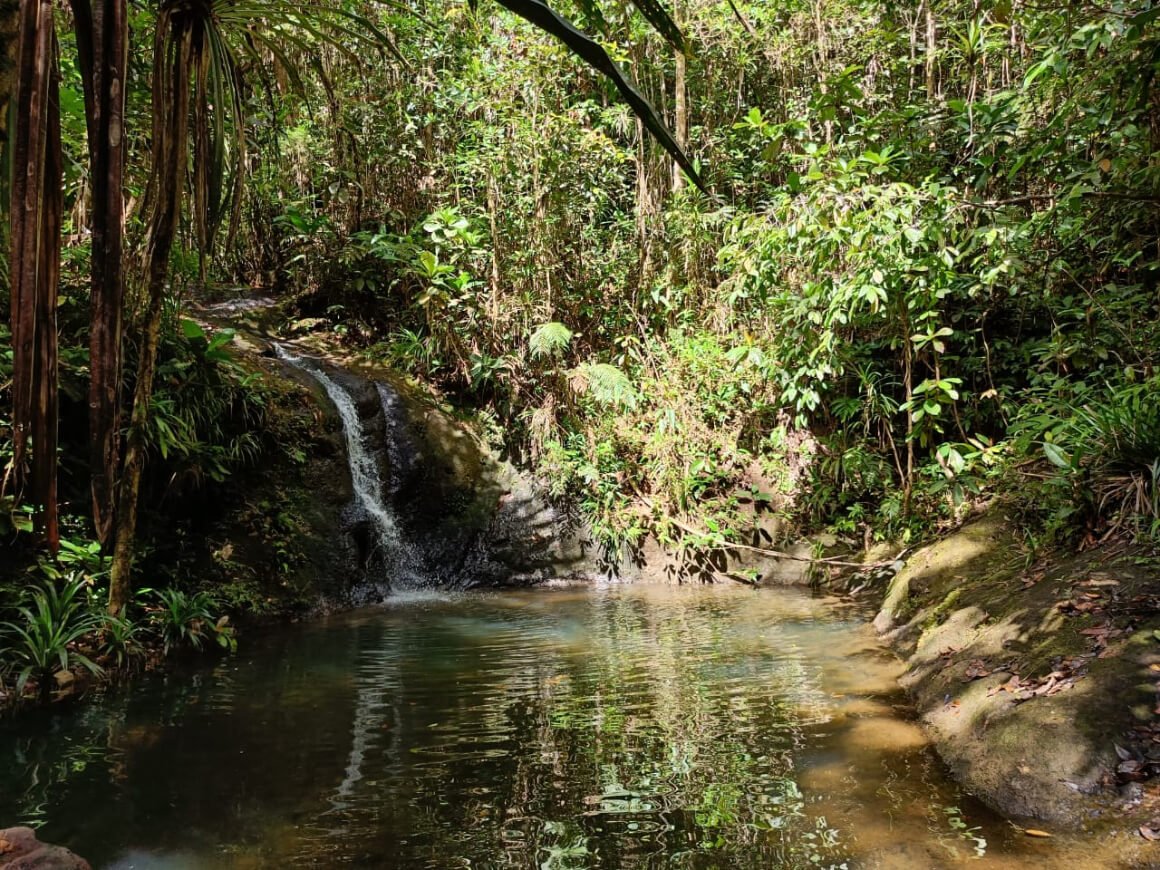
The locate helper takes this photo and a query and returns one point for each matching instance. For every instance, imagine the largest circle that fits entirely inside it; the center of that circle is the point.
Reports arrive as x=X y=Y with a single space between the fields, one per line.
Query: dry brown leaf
x=1149 y=834
x=1034 y=832
x=976 y=670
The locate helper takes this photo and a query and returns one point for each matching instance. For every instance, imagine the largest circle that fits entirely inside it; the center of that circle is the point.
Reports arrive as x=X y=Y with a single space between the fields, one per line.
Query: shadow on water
x=578 y=727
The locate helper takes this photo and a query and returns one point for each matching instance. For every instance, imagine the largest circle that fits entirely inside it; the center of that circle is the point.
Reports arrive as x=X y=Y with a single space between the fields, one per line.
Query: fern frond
x=605 y=384
x=549 y=339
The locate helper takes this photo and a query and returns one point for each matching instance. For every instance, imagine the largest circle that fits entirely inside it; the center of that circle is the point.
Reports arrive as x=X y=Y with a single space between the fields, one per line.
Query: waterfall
x=364 y=470
x=400 y=449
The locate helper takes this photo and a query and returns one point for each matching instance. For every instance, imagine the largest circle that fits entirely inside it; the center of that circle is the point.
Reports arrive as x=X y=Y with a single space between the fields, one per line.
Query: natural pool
x=610 y=726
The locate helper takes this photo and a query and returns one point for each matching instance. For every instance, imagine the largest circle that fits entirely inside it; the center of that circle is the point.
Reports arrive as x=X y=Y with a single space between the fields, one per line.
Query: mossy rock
x=968 y=614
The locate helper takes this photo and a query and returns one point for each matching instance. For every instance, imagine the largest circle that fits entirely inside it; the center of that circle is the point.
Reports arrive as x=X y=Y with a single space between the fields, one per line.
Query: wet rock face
x=467 y=519
x=20 y=850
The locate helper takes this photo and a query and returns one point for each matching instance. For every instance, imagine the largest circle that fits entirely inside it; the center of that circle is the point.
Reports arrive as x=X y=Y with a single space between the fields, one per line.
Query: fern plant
x=120 y=640
x=549 y=339
x=186 y=620
x=605 y=384
x=1108 y=448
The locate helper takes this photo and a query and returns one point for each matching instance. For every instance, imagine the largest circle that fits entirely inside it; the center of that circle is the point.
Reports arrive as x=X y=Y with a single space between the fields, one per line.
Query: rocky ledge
x=1038 y=679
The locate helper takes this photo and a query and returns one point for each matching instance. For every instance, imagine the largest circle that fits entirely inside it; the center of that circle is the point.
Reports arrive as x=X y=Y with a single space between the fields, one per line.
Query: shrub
x=120 y=640
x=187 y=621
x=43 y=641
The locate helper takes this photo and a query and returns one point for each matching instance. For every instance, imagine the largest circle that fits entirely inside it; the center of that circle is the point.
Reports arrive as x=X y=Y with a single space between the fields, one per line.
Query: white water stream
x=364 y=470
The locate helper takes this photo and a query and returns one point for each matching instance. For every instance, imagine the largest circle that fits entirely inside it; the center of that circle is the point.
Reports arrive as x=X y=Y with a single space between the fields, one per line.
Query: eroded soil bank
x=1038 y=681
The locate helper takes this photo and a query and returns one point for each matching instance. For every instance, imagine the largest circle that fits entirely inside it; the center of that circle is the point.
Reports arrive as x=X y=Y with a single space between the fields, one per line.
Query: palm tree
x=28 y=75
x=35 y=219
x=102 y=34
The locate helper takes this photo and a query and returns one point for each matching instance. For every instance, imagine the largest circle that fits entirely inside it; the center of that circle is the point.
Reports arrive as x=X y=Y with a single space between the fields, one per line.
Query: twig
x=730 y=575
x=744 y=21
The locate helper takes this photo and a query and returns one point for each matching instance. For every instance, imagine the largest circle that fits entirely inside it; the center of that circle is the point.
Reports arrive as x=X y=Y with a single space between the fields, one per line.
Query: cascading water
x=364 y=470
x=400 y=450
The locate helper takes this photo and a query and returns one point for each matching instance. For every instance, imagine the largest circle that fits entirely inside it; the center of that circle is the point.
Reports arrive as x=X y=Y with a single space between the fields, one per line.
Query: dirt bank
x=1038 y=680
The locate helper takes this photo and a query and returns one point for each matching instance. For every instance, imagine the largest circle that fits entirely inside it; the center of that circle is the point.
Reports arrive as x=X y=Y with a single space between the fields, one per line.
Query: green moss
x=943 y=609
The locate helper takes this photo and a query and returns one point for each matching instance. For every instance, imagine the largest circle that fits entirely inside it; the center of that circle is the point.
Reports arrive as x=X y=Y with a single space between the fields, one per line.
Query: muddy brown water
x=609 y=726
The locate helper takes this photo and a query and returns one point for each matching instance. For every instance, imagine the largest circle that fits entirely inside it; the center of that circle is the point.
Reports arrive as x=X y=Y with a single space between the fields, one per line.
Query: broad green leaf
x=1055 y=455
x=192 y=329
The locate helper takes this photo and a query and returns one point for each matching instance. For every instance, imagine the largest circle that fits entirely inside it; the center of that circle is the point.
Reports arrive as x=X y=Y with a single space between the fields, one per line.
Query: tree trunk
x=931 y=53
x=908 y=386
x=9 y=39
x=172 y=66
x=35 y=262
x=680 y=116
x=102 y=46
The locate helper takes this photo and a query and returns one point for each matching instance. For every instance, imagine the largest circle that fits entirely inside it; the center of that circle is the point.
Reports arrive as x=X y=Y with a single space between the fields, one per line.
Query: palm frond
x=605 y=384
x=592 y=53
x=656 y=15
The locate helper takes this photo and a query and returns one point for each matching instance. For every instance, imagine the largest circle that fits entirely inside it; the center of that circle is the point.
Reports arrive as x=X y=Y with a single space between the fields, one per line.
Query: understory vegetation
x=923 y=271
x=911 y=266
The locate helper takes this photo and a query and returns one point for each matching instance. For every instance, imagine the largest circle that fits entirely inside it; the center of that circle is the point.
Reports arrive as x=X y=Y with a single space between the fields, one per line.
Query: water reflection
x=611 y=727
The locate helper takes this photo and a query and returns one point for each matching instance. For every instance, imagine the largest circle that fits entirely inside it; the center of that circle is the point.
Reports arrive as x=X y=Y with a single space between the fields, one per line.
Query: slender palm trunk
x=36 y=207
x=9 y=39
x=173 y=65
x=680 y=113
x=102 y=46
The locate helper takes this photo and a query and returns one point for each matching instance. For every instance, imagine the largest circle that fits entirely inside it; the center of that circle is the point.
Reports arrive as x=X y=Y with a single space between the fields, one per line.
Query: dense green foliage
x=42 y=642
x=923 y=270
x=927 y=270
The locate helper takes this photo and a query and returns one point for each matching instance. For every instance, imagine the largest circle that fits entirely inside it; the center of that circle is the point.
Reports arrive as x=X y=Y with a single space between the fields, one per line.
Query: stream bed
x=601 y=726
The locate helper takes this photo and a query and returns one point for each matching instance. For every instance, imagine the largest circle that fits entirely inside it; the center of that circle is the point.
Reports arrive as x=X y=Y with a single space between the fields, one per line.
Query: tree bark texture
x=36 y=206
x=178 y=42
x=102 y=47
x=9 y=40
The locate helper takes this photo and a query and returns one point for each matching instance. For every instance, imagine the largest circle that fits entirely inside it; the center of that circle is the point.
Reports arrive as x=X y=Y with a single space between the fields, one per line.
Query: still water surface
x=613 y=727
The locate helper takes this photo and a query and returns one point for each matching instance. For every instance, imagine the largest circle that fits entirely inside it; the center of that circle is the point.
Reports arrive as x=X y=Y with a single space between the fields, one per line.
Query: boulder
x=21 y=850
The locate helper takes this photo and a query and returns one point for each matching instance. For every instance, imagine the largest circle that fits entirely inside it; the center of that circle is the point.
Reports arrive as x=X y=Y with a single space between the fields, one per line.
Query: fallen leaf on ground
x=1033 y=832
x=1149 y=834
x=976 y=670
x=1013 y=685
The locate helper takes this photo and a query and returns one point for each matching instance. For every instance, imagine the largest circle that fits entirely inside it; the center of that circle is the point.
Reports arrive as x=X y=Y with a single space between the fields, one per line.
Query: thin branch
x=778 y=554
x=1124 y=196
x=728 y=545
x=740 y=17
